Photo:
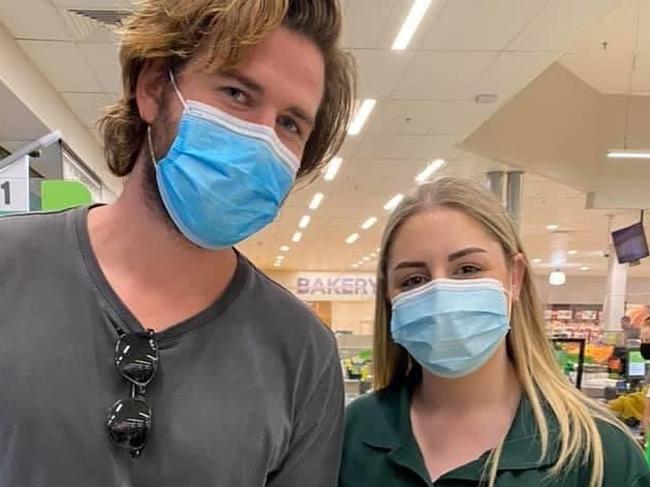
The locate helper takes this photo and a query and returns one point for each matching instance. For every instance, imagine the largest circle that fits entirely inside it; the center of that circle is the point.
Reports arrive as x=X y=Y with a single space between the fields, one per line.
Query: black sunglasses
x=129 y=420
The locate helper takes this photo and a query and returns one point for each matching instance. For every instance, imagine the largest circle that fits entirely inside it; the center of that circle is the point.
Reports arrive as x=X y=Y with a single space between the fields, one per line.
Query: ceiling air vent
x=110 y=18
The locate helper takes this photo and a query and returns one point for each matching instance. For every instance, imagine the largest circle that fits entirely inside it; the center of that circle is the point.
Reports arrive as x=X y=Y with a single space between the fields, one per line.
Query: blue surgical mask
x=223 y=179
x=450 y=327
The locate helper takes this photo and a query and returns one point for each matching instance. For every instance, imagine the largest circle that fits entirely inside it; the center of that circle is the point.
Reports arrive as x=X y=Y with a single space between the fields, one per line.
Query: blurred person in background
x=467 y=386
x=138 y=348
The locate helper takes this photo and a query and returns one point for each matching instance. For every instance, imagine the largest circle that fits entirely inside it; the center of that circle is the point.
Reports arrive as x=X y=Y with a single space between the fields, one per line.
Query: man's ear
x=149 y=89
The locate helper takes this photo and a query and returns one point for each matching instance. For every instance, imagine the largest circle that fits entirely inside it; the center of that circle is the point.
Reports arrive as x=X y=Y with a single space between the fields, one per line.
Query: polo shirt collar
x=392 y=433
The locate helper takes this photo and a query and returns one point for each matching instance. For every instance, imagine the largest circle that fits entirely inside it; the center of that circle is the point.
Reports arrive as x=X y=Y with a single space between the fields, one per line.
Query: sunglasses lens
x=129 y=420
x=136 y=357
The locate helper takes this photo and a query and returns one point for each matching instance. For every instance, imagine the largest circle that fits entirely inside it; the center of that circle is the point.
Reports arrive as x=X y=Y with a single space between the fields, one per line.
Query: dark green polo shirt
x=381 y=451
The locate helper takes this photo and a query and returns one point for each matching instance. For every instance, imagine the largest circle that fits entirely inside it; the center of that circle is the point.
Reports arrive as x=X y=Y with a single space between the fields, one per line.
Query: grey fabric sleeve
x=314 y=454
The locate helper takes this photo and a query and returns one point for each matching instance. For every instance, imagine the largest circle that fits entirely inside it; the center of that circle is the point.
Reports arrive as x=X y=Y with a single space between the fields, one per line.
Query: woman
x=467 y=388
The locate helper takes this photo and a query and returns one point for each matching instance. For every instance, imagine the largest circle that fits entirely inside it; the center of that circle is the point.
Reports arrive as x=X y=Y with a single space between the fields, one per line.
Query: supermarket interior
x=547 y=105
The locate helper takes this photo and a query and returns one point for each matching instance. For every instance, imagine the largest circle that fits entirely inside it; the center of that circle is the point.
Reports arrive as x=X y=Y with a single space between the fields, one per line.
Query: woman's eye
x=236 y=94
x=413 y=282
x=468 y=270
x=288 y=124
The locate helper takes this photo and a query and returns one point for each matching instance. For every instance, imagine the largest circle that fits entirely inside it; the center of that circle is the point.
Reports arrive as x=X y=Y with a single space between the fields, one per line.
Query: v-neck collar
x=119 y=313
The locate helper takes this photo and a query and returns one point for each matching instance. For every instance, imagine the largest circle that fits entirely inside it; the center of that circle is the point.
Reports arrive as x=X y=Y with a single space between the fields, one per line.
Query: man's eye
x=236 y=94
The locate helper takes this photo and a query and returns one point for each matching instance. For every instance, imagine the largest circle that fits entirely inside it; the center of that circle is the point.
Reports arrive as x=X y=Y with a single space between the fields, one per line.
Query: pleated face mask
x=223 y=179
x=450 y=327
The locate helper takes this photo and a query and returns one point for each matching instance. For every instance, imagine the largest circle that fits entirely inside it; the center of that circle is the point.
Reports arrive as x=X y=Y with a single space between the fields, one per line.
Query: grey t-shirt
x=248 y=393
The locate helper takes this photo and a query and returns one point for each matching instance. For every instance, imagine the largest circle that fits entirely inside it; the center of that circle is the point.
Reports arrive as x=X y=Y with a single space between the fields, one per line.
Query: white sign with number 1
x=14 y=186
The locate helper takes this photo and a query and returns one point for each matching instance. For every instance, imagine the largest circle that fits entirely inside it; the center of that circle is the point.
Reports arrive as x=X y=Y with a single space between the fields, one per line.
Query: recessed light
x=393 y=202
x=552 y=228
x=332 y=168
x=279 y=257
x=537 y=261
x=316 y=201
x=352 y=238
x=366 y=259
x=373 y=255
x=430 y=170
x=585 y=268
x=355 y=265
x=304 y=222
x=410 y=25
x=557 y=278
x=572 y=252
x=297 y=237
x=369 y=223
x=284 y=248
x=277 y=264
x=364 y=111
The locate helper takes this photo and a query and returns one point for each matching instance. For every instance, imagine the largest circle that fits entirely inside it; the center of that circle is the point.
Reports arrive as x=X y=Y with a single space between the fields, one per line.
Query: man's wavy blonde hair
x=176 y=30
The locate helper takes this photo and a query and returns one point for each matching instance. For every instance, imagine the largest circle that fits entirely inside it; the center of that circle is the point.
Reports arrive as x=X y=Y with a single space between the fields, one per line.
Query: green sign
x=59 y=195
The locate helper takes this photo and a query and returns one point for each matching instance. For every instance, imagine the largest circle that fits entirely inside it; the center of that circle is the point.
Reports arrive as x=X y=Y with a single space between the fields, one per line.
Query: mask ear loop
x=150 y=144
x=178 y=92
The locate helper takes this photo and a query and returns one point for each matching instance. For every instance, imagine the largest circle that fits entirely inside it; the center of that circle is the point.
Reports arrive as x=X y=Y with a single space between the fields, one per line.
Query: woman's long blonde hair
x=541 y=378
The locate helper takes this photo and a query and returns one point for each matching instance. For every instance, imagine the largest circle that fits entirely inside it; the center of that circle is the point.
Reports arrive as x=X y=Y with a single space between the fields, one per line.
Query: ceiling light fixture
x=413 y=19
x=304 y=222
x=364 y=111
x=280 y=257
x=552 y=228
x=572 y=252
x=393 y=202
x=373 y=255
x=355 y=265
x=557 y=278
x=297 y=237
x=277 y=264
x=316 y=201
x=284 y=248
x=369 y=223
x=537 y=261
x=628 y=154
x=352 y=238
x=584 y=268
x=332 y=168
x=430 y=170
x=366 y=259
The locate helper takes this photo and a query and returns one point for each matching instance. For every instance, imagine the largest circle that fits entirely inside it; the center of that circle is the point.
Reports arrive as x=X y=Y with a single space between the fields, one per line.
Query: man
x=138 y=347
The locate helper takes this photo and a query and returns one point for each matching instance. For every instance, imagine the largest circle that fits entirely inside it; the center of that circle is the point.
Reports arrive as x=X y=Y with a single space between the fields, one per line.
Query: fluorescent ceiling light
x=366 y=259
x=557 y=278
x=277 y=264
x=411 y=24
x=584 y=268
x=361 y=116
x=369 y=223
x=430 y=170
x=279 y=258
x=628 y=154
x=537 y=261
x=552 y=228
x=332 y=168
x=297 y=237
x=316 y=201
x=393 y=202
x=304 y=222
x=373 y=255
x=352 y=238
x=355 y=265
x=284 y=248
x=572 y=252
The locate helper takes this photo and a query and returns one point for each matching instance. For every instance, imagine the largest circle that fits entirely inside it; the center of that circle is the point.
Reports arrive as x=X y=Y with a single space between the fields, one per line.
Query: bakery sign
x=315 y=286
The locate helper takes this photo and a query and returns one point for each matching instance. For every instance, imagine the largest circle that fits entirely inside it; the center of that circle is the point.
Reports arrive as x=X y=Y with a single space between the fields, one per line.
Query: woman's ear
x=518 y=275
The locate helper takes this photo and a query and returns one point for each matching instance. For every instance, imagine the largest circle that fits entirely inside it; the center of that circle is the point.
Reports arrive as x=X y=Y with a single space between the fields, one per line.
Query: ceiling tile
x=458 y=117
x=34 y=19
x=379 y=70
x=62 y=64
x=441 y=75
x=462 y=24
x=87 y=106
x=104 y=63
x=403 y=117
x=555 y=27
x=387 y=16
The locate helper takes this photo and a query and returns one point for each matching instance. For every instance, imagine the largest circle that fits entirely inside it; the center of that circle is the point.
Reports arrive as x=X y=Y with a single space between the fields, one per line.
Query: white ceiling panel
x=403 y=117
x=479 y=25
x=392 y=146
x=17 y=122
x=87 y=106
x=63 y=64
x=94 y=4
x=555 y=27
x=34 y=19
x=522 y=68
x=441 y=75
x=379 y=70
x=359 y=31
x=458 y=117
x=104 y=63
